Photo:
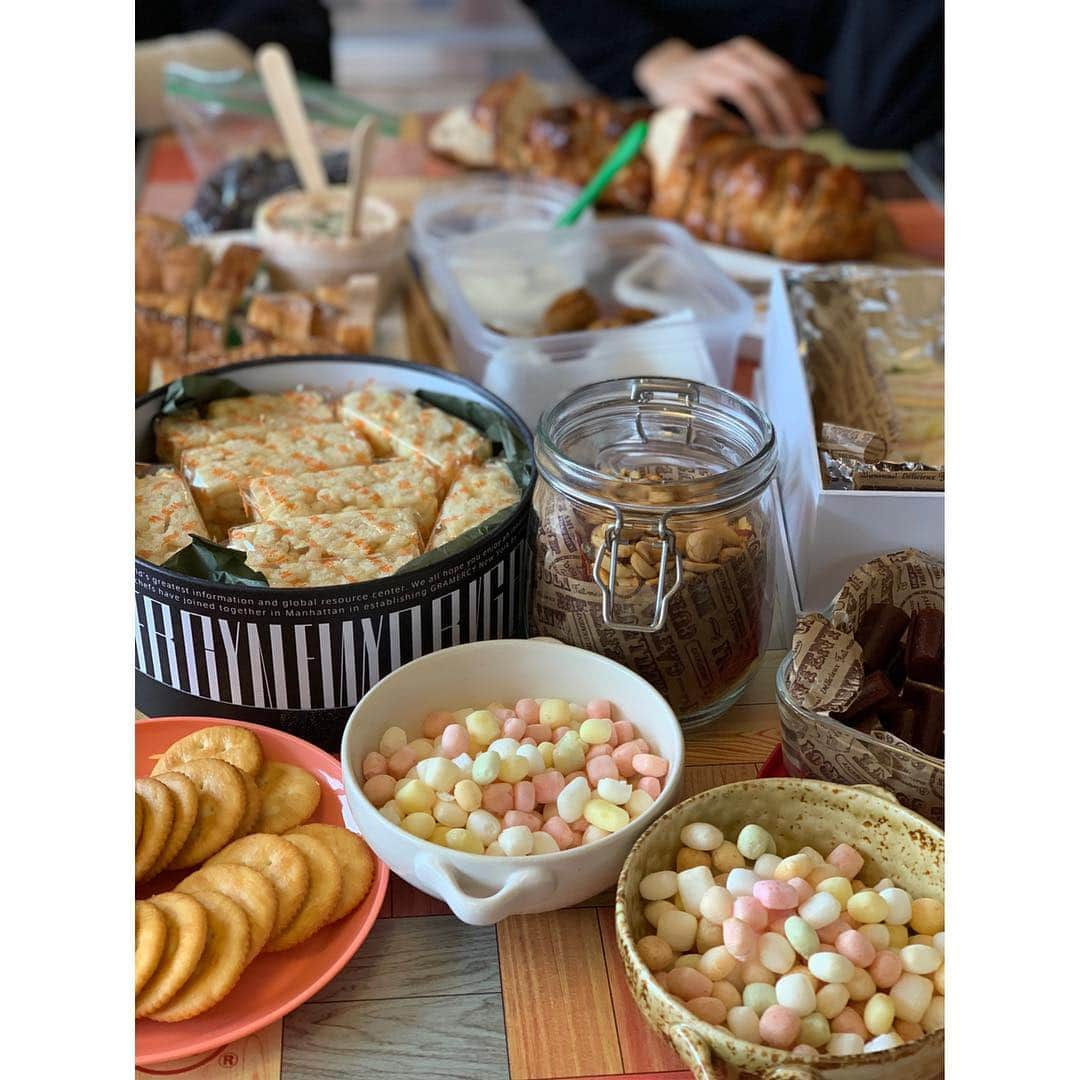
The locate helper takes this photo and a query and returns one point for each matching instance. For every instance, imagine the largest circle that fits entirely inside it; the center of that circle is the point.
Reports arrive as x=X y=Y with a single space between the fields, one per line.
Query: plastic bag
x=220 y=113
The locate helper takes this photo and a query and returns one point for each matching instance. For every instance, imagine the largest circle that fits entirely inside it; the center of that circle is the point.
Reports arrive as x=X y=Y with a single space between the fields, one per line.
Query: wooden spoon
x=279 y=81
x=361 y=154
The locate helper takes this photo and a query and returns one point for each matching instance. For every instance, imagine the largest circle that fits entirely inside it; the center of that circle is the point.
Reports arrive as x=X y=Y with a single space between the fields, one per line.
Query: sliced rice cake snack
x=393 y=484
x=211 y=310
x=175 y=434
x=376 y=411
x=216 y=474
x=256 y=407
x=282 y=315
x=237 y=268
x=478 y=492
x=184 y=268
x=161 y=329
x=367 y=543
x=399 y=424
x=165 y=516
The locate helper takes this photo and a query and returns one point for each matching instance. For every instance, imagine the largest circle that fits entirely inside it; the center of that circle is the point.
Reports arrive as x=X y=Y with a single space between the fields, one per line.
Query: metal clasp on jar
x=610 y=548
x=660 y=388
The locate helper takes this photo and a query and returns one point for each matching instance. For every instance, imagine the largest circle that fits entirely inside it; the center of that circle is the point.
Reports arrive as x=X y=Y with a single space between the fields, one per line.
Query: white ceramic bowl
x=482 y=889
x=299 y=259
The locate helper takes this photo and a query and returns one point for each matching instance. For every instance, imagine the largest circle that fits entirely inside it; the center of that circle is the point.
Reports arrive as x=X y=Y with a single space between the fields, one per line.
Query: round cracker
x=248 y=888
x=322 y=898
x=224 y=742
x=290 y=795
x=279 y=862
x=222 y=801
x=138 y=817
x=228 y=942
x=157 y=824
x=150 y=933
x=354 y=859
x=254 y=806
x=185 y=935
x=186 y=810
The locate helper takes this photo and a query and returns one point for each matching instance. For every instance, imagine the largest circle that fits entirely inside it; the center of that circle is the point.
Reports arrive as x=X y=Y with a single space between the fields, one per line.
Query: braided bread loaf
x=732 y=190
x=722 y=187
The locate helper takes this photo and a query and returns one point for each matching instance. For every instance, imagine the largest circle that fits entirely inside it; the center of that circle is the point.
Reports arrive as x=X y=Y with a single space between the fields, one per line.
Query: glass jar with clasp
x=655 y=532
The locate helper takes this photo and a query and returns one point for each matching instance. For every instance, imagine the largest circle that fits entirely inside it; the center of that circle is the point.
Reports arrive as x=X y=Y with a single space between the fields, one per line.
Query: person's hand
x=774 y=97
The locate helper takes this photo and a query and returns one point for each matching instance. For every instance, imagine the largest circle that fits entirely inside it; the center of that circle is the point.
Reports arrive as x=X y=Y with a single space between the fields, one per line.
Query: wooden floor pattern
x=539 y=997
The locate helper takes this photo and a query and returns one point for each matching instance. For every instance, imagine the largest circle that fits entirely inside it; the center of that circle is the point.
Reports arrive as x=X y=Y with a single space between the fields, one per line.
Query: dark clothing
x=302 y=26
x=883 y=60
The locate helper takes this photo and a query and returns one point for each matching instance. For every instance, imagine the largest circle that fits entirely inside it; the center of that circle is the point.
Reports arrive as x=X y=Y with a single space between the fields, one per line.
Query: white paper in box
x=830 y=533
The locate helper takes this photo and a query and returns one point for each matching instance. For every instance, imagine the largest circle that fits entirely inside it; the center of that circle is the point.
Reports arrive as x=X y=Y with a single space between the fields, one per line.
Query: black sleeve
x=302 y=26
x=603 y=39
x=886 y=73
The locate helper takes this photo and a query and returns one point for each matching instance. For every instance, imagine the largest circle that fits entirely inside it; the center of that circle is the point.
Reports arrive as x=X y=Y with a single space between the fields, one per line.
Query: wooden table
x=537 y=996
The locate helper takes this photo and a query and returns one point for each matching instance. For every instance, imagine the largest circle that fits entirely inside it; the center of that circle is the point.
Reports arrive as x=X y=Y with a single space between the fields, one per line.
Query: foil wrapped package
x=871 y=340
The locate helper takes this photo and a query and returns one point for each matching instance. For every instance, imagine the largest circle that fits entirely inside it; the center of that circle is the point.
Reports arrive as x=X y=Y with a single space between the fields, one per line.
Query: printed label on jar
x=717 y=622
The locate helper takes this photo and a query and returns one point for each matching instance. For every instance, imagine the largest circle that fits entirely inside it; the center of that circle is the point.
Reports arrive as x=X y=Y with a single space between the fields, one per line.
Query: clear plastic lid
x=482 y=205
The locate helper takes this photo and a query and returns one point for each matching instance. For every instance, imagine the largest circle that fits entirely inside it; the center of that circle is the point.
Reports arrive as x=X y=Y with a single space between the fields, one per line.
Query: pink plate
x=276 y=983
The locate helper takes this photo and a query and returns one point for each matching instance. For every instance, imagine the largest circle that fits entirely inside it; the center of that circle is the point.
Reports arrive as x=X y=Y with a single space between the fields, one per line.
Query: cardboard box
x=830 y=533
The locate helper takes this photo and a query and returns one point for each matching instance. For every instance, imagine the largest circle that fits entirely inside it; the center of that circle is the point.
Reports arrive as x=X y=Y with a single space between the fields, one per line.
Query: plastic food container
x=483 y=889
x=656 y=530
x=461 y=210
x=511 y=275
x=478 y=206
x=301 y=235
x=825 y=749
x=300 y=659
x=894 y=841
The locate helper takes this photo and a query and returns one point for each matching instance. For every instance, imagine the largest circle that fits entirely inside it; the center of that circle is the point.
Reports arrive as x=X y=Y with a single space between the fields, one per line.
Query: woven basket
x=894 y=841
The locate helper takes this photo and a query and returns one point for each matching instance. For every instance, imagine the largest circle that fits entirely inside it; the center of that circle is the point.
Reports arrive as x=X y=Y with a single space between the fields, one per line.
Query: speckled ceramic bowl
x=894 y=841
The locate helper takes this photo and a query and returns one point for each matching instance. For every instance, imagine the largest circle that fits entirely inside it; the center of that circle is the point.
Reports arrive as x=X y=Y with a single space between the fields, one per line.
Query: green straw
x=626 y=149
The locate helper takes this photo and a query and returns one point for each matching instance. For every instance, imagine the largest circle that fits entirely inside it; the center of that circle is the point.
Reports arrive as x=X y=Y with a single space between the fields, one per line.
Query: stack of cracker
x=265 y=881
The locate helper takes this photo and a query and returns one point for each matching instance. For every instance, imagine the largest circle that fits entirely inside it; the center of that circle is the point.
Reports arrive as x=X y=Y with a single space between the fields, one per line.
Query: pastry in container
x=400 y=425
x=478 y=492
x=166 y=516
x=217 y=473
x=175 y=434
x=354 y=545
x=302 y=235
x=391 y=484
x=655 y=535
x=256 y=407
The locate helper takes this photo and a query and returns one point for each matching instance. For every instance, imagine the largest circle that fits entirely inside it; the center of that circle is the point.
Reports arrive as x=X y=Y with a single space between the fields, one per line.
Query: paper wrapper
x=908 y=579
x=852 y=444
x=826 y=666
x=825 y=674
x=871 y=340
x=717 y=623
x=829 y=750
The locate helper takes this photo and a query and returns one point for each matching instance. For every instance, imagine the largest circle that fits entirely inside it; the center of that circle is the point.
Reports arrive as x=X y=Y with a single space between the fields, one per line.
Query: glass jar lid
x=656 y=445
